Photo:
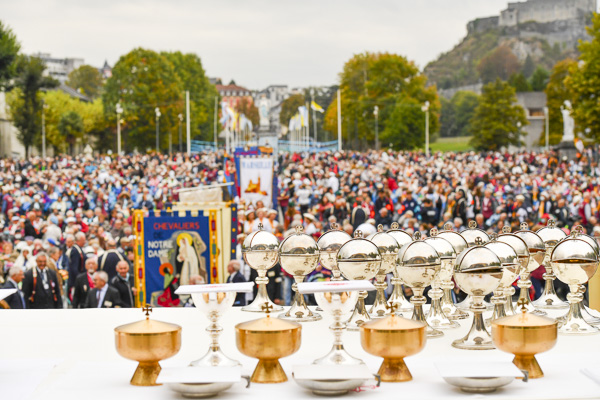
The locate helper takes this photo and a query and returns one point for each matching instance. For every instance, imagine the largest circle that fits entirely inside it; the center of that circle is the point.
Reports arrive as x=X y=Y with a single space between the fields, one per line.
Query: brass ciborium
x=329 y=244
x=459 y=243
x=471 y=235
x=268 y=339
x=393 y=338
x=537 y=252
x=388 y=248
x=436 y=318
x=359 y=259
x=260 y=250
x=299 y=255
x=525 y=335
x=397 y=297
x=418 y=263
x=510 y=269
x=478 y=272
x=147 y=342
x=551 y=235
x=522 y=251
x=575 y=261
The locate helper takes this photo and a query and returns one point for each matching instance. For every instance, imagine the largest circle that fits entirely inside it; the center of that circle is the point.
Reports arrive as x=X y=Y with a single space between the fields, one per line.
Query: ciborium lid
x=384 y=242
x=268 y=324
x=524 y=319
x=550 y=234
x=456 y=240
x=359 y=249
x=298 y=244
x=514 y=241
x=478 y=260
x=147 y=326
x=418 y=253
x=473 y=232
x=533 y=240
x=333 y=239
x=504 y=251
x=442 y=246
x=259 y=241
x=401 y=236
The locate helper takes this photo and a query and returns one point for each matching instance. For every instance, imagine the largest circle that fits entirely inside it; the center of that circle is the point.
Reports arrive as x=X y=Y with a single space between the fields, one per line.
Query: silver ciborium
x=299 y=255
x=329 y=244
x=471 y=235
x=359 y=259
x=575 y=262
x=537 y=252
x=478 y=272
x=418 y=263
x=509 y=259
x=388 y=248
x=551 y=235
x=436 y=318
x=522 y=251
x=260 y=250
x=397 y=298
x=337 y=299
x=459 y=243
x=589 y=318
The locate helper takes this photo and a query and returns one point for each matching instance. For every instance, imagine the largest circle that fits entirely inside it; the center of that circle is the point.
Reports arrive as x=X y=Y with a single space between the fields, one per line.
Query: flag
x=224 y=113
x=303 y=115
x=316 y=107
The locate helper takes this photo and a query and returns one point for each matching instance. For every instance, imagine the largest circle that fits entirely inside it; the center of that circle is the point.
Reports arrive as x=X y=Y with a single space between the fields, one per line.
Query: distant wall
x=545 y=11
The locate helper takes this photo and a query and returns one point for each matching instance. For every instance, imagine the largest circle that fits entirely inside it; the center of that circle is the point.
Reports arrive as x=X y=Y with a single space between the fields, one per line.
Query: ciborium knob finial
x=147 y=309
x=472 y=224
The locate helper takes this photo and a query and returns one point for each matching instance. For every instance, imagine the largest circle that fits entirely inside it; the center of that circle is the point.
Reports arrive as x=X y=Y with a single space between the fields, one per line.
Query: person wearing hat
x=271 y=219
x=261 y=220
x=311 y=228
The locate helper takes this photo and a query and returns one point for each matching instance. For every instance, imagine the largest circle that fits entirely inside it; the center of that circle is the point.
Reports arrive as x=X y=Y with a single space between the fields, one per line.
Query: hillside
x=544 y=43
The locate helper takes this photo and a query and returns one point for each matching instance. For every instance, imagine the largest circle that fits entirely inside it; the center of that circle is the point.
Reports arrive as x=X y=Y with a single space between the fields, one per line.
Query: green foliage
x=456 y=114
x=455 y=144
x=141 y=81
x=497 y=117
x=501 y=63
x=202 y=94
x=87 y=80
x=528 y=67
x=9 y=48
x=557 y=92
x=539 y=79
x=70 y=127
x=584 y=83
x=519 y=82
x=323 y=96
x=395 y=85
x=289 y=108
x=248 y=108
x=25 y=103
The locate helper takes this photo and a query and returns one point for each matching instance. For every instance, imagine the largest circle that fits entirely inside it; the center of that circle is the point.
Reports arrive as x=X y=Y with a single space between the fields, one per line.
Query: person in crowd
x=109 y=260
x=40 y=286
x=235 y=276
x=102 y=295
x=84 y=283
x=125 y=285
x=15 y=300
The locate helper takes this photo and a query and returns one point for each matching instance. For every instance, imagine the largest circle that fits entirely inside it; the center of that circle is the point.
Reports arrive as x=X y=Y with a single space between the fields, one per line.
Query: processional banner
x=256 y=179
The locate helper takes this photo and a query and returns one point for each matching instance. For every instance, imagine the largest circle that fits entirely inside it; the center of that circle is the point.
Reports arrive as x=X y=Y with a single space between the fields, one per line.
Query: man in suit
x=235 y=276
x=84 y=283
x=124 y=284
x=102 y=296
x=15 y=300
x=40 y=286
x=108 y=261
x=75 y=257
x=54 y=254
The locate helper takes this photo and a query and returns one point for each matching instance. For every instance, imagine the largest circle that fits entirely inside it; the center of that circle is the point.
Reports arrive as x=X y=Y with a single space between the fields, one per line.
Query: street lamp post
x=180 y=116
x=547 y=115
x=425 y=109
x=376 y=113
x=44 y=108
x=157 y=111
x=119 y=110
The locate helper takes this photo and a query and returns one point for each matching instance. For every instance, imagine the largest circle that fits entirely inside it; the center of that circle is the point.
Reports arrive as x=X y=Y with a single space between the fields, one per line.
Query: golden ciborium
x=525 y=335
x=147 y=342
x=268 y=339
x=393 y=338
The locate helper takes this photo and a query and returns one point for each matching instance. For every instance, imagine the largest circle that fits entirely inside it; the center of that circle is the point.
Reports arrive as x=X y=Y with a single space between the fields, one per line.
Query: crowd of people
x=66 y=222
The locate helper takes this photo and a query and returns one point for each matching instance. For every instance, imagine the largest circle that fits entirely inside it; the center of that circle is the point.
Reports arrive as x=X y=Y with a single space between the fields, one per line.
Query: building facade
x=545 y=11
x=59 y=68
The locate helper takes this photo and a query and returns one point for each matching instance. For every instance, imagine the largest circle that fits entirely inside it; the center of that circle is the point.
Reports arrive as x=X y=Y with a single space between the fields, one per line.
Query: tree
x=519 y=82
x=539 y=79
x=141 y=81
x=584 y=83
x=456 y=114
x=500 y=63
x=9 y=48
x=289 y=107
x=557 y=92
x=248 y=108
x=528 y=66
x=25 y=102
x=393 y=84
x=447 y=118
x=70 y=127
x=497 y=118
x=87 y=80
x=190 y=71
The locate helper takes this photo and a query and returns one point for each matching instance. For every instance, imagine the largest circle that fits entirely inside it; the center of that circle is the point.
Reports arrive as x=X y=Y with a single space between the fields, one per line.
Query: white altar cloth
x=80 y=343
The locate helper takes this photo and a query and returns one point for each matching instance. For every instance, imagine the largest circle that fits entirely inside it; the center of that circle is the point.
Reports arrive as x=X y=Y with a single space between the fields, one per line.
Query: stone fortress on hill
x=557 y=21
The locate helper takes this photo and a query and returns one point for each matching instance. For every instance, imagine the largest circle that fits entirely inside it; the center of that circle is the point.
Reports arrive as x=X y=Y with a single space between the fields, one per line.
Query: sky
x=255 y=42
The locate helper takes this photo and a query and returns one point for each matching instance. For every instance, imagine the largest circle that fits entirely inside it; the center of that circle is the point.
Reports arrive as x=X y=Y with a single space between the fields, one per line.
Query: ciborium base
x=268 y=371
x=215 y=358
x=550 y=302
x=394 y=370
x=397 y=298
x=338 y=356
x=258 y=303
x=359 y=315
x=146 y=374
x=478 y=337
x=529 y=364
